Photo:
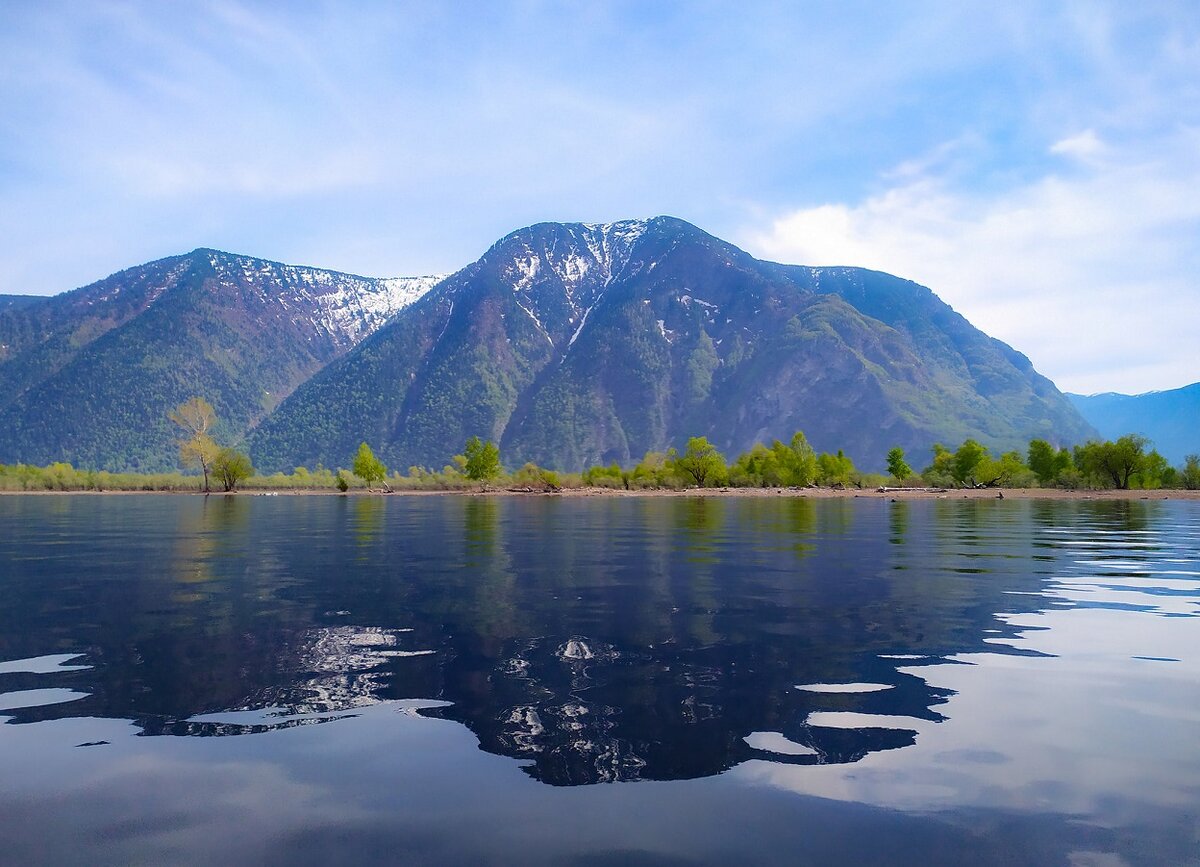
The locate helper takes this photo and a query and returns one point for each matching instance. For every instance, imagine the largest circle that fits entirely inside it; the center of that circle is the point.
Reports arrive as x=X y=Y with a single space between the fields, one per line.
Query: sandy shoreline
x=803 y=493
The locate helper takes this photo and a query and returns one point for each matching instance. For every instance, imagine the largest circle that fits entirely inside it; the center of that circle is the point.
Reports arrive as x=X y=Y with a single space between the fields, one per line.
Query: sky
x=1036 y=164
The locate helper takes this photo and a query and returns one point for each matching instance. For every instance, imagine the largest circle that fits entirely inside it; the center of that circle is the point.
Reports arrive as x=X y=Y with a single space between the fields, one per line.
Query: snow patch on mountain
x=357 y=311
x=346 y=307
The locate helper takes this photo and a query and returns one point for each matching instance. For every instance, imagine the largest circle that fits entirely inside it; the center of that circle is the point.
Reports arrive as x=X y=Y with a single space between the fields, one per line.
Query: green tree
x=1006 y=470
x=1190 y=476
x=652 y=471
x=940 y=470
x=966 y=459
x=195 y=418
x=896 y=464
x=482 y=460
x=1046 y=463
x=797 y=461
x=835 y=469
x=1042 y=461
x=757 y=468
x=1154 y=471
x=1116 y=462
x=700 y=463
x=368 y=467
x=231 y=468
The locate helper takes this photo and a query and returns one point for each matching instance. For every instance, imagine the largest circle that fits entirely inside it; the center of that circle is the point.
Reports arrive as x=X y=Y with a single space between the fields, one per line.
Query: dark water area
x=451 y=680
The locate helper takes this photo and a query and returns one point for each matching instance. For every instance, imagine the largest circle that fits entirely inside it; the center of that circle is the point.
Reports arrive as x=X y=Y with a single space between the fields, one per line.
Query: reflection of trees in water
x=206 y=529
x=367 y=523
x=897 y=521
x=792 y=519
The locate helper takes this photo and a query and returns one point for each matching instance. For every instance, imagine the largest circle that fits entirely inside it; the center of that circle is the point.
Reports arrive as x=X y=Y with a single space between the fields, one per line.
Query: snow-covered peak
x=558 y=271
x=347 y=307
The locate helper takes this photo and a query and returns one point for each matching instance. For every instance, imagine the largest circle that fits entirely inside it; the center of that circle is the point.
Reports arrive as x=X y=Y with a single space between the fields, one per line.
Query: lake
x=529 y=680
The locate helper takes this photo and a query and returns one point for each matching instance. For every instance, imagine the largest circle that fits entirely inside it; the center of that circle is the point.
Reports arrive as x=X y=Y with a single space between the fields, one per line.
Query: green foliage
x=972 y=465
x=64 y=477
x=797 y=461
x=1041 y=461
x=368 y=467
x=424 y=479
x=1125 y=460
x=966 y=462
x=701 y=363
x=700 y=464
x=652 y=471
x=231 y=468
x=612 y=477
x=1154 y=471
x=482 y=460
x=896 y=464
x=791 y=464
x=1009 y=471
x=757 y=468
x=940 y=471
x=533 y=475
x=1189 y=477
x=1114 y=462
x=1051 y=467
x=835 y=469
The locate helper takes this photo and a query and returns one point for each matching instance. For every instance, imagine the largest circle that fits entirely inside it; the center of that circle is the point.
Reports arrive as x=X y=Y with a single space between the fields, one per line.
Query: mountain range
x=1169 y=419
x=568 y=344
x=89 y=376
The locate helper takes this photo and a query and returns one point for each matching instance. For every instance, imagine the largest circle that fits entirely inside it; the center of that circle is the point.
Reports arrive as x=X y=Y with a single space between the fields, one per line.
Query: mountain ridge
x=89 y=375
x=568 y=355
x=567 y=343
x=1170 y=418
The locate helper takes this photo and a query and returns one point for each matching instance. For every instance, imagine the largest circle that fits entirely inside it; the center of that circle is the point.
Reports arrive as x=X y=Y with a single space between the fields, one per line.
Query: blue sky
x=1036 y=164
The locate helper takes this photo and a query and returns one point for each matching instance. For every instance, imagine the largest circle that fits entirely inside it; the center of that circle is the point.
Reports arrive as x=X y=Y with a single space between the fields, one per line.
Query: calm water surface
x=635 y=681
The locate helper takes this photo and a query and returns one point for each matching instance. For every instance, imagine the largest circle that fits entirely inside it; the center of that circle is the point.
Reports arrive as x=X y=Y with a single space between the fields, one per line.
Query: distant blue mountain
x=1171 y=419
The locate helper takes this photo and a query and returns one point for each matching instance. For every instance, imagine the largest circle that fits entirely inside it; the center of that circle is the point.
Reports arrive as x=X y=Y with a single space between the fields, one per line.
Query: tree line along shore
x=1127 y=463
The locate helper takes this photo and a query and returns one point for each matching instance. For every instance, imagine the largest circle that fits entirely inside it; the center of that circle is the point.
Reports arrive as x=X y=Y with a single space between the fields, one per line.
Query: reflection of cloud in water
x=849 y=720
x=50 y=664
x=774 y=742
x=337 y=669
x=26 y=698
x=844 y=687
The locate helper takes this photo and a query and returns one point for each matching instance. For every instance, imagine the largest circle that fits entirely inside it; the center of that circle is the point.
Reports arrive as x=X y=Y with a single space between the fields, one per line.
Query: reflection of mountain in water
x=574 y=709
x=599 y=641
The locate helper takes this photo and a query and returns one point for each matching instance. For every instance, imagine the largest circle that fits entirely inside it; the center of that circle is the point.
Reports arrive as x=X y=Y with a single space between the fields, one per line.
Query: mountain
x=1170 y=419
x=574 y=344
x=89 y=376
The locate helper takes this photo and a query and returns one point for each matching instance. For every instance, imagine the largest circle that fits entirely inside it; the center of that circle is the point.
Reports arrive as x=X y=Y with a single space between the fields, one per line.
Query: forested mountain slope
x=572 y=344
x=89 y=376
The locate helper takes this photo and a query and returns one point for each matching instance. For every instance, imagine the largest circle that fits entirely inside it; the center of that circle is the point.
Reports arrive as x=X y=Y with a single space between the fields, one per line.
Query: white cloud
x=1089 y=272
x=1085 y=146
